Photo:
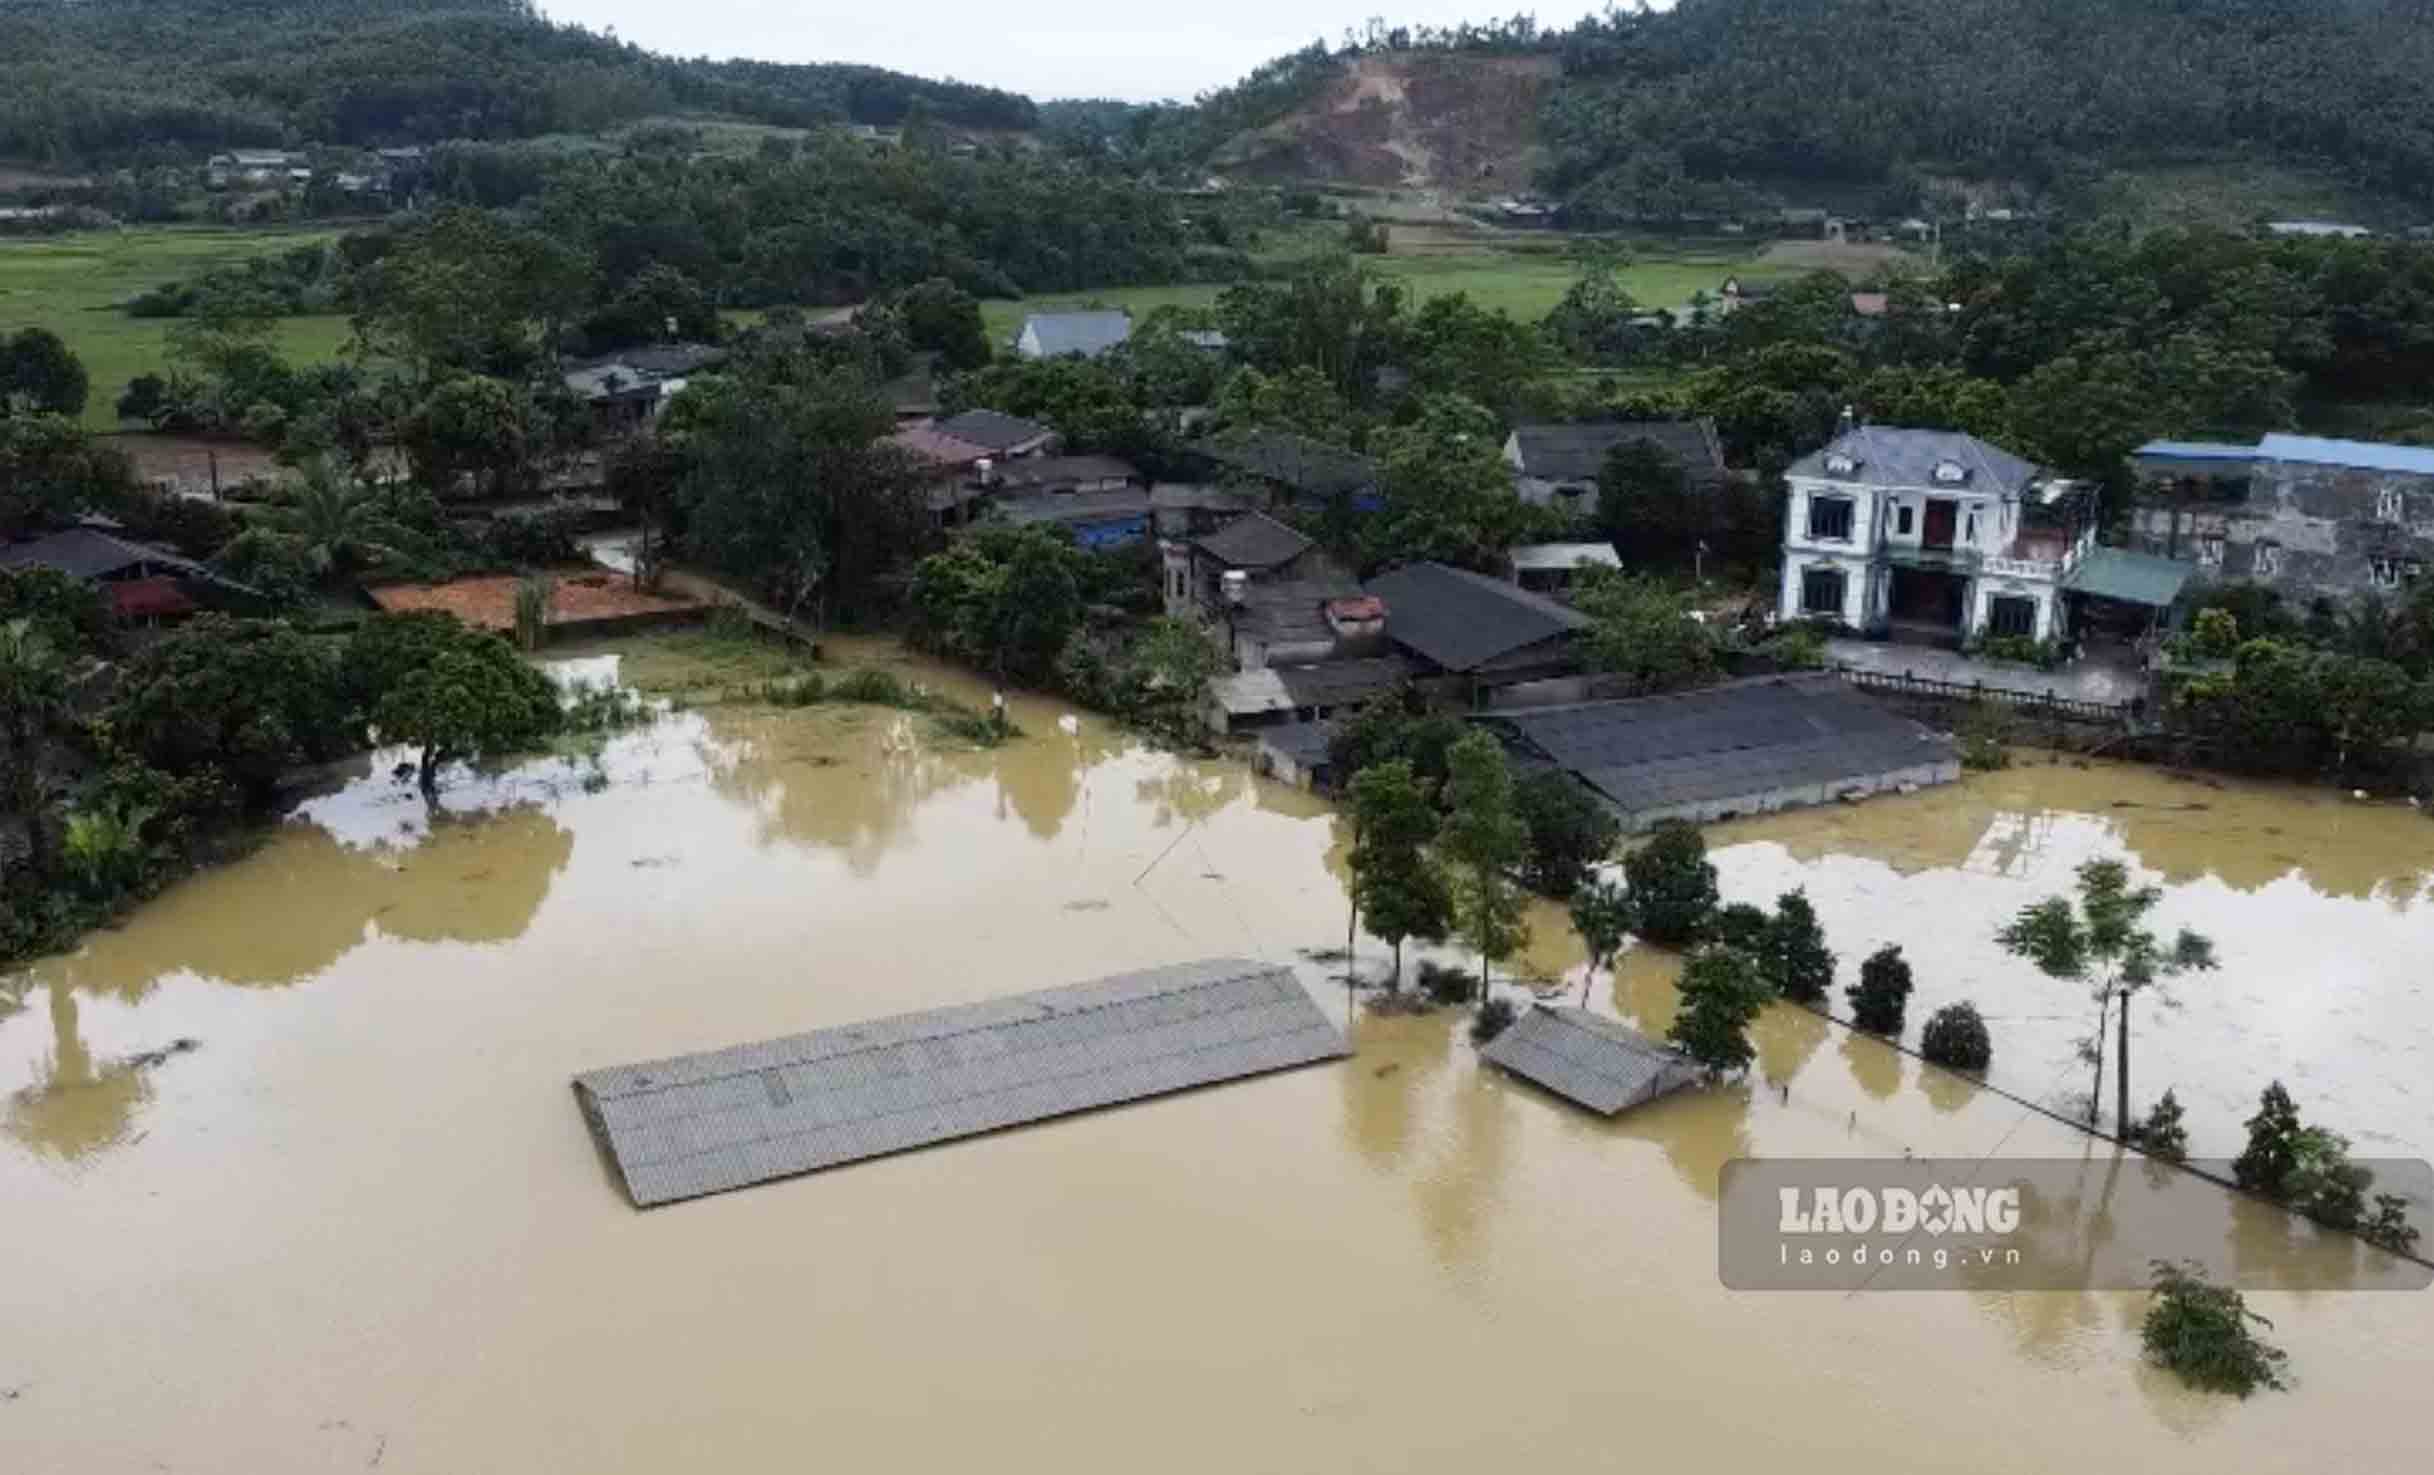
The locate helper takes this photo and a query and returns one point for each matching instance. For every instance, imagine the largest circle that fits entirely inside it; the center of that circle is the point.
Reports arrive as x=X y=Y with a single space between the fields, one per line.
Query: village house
x=1002 y=437
x=1552 y=568
x=2306 y=517
x=1557 y=465
x=1481 y=642
x=627 y=390
x=253 y=167
x=1099 y=499
x=1938 y=535
x=140 y=582
x=1048 y=335
x=1296 y=469
x=964 y=454
x=1279 y=597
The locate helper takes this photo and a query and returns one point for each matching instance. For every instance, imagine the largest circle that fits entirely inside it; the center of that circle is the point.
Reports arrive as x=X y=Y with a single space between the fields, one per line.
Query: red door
x=1941 y=519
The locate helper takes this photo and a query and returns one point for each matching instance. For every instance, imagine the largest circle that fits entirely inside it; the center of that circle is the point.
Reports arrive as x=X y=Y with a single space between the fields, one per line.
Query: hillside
x=1723 y=105
x=85 y=81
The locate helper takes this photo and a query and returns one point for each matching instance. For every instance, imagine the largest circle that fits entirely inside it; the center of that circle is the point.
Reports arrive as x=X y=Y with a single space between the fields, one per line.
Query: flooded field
x=358 y=1223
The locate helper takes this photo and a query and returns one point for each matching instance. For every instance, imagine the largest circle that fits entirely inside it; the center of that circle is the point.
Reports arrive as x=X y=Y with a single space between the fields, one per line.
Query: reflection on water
x=1364 y=1266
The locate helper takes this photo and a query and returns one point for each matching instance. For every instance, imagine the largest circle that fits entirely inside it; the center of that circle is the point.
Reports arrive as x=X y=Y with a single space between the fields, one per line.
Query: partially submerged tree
x=1721 y=995
x=2203 y=1332
x=2162 y=1133
x=1673 y=887
x=1882 y=994
x=475 y=699
x=33 y=694
x=1569 y=831
x=1794 y=956
x=1602 y=915
x=1956 y=1037
x=2103 y=941
x=1485 y=840
x=1396 y=886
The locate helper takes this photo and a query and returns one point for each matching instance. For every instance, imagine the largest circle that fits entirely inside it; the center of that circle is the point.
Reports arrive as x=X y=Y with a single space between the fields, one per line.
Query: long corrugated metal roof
x=2357 y=455
x=2133 y=578
x=1741 y=738
x=1597 y=1062
x=702 y=1124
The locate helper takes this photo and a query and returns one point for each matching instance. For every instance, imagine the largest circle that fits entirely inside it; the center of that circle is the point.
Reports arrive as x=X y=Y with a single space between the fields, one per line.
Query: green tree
x=2272 y=1150
x=940 y=317
x=2202 y=1332
x=1647 y=507
x=2103 y=942
x=474 y=699
x=1485 y=839
x=1570 y=831
x=1396 y=886
x=1673 y=886
x=1722 y=995
x=33 y=695
x=247 y=699
x=1172 y=664
x=1644 y=633
x=1882 y=994
x=789 y=484
x=2163 y=1134
x=339 y=524
x=1603 y=916
x=39 y=376
x=1793 y=955
x=51 y=470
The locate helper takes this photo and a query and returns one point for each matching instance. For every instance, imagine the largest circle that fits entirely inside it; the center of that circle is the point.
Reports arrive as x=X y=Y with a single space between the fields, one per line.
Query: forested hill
x=97 y=80
x=1715 y=103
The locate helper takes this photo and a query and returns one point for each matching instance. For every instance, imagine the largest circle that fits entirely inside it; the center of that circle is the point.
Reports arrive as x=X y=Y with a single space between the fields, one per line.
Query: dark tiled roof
x=1891 y=456
x=1578 y=452
x=1599 y=1063
x=699 y=1124
x=1033 y=472
x=1292 y=610
x=1460 y=621
x=1295 y=461
x=938 y=448
x=89 y=553
x=991 y=431
x=1742 y=738
x=1191 y=496
x=1254 y=541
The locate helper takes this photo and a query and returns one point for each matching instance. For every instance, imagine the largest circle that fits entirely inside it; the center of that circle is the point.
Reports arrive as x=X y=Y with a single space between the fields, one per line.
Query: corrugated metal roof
x=1545 y=557
x=1460 y=620
x=2193 y=450
x=2358 y=455
x=90 y=553
x=1742 y=738
x=1254 y=541
x=1579 y=452
x=2133 y=578
x=702 y=1124
x=1320 y=684
x=993 y=432
x=1596 y=1062
x=1087 y=333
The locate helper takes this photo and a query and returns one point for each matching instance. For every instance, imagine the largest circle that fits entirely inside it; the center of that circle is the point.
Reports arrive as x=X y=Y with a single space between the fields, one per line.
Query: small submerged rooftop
x=702 y=1124
x=1588 y=1059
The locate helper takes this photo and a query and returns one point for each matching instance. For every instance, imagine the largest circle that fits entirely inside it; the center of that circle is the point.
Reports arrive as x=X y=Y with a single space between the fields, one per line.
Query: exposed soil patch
x=579 y=597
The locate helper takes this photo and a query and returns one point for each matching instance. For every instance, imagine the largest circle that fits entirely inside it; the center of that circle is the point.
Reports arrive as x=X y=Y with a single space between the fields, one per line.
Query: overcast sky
x=1141 y=50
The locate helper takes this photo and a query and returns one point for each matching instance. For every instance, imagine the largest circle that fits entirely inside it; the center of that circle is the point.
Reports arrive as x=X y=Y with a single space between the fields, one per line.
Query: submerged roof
x=1087 y=333
x=1578 y=452
x=992 y=431
x=1586 y=1058
x=1461 y=621
x=1742 y=738
x=2133 y=578
x=701 y=1124
x=1895 y=456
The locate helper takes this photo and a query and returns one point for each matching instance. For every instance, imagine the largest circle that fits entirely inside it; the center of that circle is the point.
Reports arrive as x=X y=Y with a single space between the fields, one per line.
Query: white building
x=1931 y=533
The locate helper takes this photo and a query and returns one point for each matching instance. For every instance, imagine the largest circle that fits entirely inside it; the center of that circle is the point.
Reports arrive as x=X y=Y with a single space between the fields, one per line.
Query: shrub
x=534 y=539
x=2161 y=1134
x=1956 y=1037
x=1882 y=993
x=877 y=688
x=1673 y=888
x=2202 y=1332
x=532 y=610
x=1794 y=957
x=105 y=850
x=1984 y=734
x=1494 y=1018
x=278 y=567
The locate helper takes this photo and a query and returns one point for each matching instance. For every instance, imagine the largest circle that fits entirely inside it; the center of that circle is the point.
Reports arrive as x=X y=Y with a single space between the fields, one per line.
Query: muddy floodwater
x=358 y=1223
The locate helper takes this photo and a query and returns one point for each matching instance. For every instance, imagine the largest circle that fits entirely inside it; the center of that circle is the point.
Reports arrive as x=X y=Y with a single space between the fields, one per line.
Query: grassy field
x=1523 y=284
x=73 y=284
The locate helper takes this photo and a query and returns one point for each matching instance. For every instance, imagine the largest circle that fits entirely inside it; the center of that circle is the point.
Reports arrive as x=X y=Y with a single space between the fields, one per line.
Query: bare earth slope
x=1413 y=120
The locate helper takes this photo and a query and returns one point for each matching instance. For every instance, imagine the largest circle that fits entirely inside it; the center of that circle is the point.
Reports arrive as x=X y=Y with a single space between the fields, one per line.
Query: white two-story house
x=1933 y=534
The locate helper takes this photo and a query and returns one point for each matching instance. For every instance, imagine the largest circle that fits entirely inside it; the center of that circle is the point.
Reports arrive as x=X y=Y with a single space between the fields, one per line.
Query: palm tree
x=340 y=521
x=33 y=692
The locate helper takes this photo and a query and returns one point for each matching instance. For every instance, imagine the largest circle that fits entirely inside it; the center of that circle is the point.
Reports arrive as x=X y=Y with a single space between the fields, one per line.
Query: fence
x=2027 y=703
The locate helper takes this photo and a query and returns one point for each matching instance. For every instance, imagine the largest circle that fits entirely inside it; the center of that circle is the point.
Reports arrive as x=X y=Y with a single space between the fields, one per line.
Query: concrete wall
x=2306 y=531
x=1920 y=776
